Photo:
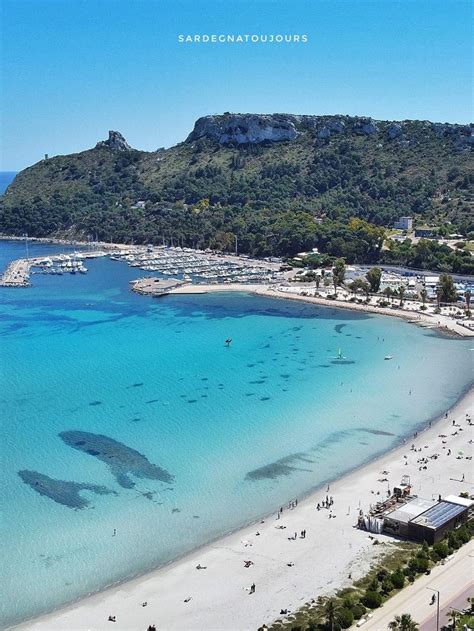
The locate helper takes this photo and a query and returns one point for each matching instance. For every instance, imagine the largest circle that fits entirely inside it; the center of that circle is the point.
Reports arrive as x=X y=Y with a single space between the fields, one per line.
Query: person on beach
x=252 y=588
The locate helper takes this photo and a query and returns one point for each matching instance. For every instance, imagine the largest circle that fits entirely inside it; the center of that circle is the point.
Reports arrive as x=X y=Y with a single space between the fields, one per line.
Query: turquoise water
x=214 y=436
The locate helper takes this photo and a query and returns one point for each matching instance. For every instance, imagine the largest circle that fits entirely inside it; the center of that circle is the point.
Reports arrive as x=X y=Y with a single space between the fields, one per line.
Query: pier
x=18 y=272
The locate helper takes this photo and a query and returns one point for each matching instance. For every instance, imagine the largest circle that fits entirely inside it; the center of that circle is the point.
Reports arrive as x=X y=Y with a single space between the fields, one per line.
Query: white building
x=404 y=223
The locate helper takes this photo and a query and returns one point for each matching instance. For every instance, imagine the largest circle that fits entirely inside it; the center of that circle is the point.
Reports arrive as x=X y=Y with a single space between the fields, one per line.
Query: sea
x=6 y=178
x=132 y=433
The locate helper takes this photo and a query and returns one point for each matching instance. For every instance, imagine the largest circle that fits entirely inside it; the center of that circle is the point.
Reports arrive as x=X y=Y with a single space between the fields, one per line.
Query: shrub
x=441 y=549
x=454 y=541
x=345 y=618
x=387 y=585
x=463 y=534
x=358 y=610
x=382 y=574
x=422 y=564
x=372 y=600
x=398 y=579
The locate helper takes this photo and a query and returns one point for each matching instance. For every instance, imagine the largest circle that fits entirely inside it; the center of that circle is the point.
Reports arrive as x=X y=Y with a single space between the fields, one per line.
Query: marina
x=19 y=271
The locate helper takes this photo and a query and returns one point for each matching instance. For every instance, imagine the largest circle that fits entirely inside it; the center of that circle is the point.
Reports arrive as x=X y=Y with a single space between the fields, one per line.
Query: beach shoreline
x=174 y=582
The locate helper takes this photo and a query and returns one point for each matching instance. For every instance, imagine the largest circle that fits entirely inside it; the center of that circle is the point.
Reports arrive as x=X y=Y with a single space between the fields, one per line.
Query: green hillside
x=239 y=175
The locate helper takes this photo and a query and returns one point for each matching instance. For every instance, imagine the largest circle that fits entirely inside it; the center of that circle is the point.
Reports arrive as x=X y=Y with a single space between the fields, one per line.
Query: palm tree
x=438 y=299
x=401 y=293
x=403 y=623
x=467 y=296
x=423 y=296
x=330 y=613
x=452 y=617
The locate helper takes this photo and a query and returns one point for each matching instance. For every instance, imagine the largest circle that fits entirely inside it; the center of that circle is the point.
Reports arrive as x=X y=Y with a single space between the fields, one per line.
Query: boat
x=387 y=357
x=339 y=354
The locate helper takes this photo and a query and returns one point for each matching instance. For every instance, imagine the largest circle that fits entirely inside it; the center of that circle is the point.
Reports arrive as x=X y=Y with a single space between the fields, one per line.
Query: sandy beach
x=286 y=572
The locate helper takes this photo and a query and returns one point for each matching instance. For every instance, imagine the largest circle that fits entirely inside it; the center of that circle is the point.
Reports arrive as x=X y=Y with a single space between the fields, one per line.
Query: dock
x=18 y=272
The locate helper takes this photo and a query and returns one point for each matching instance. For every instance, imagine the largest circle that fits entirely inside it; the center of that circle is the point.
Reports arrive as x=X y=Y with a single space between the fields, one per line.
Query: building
x=396 y=522
x=404 y=223
x=428 y=520
x=425 y=232
x=431 y=282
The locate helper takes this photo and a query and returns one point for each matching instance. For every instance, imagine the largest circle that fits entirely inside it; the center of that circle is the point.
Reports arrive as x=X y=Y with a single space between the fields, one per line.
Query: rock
x=245 y=128
x=336 y=126
x=324 y=132
x=116 y=142
x=394 y=131
x=365 y=126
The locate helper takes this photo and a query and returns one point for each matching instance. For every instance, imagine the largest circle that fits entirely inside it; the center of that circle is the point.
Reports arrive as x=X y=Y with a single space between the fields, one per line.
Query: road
x=454 y=580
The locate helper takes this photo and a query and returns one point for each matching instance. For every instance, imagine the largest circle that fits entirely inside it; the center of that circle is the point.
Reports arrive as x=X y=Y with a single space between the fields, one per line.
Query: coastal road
x=455 y=582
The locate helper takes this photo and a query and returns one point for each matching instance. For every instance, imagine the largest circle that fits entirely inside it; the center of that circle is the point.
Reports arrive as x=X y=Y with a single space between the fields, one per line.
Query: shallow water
x=130 y=414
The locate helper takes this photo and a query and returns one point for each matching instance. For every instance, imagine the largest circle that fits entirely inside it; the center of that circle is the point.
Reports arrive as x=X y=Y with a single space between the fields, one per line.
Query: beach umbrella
x=461 y=452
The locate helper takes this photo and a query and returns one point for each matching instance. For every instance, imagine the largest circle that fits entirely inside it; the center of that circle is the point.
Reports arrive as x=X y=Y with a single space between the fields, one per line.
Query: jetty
x=17 y=274
x=19 y=271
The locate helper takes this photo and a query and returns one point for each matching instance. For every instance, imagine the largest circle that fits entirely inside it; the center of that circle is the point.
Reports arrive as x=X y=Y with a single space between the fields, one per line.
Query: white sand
x=332 y=549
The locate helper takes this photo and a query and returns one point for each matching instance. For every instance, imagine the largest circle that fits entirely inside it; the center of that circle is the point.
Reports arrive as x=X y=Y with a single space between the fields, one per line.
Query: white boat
x=387 y=357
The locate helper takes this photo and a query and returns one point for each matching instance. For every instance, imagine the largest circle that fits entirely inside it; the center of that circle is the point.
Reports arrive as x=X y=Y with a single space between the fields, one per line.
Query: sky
x=73 y=69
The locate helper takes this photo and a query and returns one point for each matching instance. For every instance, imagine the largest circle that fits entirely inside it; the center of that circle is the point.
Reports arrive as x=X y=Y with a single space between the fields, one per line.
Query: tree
x=403 y=623
x=388 y=292
x=447 y=289
x=338 y=273
x=360 y=284
x=423 y=296
x=330 y=610
x=401 y=294
x=344 y=618
x=373 y=276
x=467 y=296
x=372 y=599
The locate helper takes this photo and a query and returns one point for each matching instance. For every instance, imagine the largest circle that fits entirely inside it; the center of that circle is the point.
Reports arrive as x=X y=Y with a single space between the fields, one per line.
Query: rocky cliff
x=115 y=141
x=258 y=128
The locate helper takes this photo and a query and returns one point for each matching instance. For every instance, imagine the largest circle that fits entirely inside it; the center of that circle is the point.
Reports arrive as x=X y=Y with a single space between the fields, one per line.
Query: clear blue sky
x=73 y=69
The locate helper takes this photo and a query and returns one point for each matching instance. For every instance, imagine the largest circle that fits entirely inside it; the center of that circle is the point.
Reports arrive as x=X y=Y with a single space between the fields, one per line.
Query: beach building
x=391 y=280
x=431 y=282
x=421 y=519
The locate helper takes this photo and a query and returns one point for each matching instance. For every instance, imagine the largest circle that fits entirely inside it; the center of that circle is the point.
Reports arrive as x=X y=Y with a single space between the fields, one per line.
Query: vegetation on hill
x=270 y=196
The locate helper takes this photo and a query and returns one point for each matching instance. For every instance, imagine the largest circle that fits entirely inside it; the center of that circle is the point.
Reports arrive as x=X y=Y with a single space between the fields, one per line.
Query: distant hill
x=268 y=179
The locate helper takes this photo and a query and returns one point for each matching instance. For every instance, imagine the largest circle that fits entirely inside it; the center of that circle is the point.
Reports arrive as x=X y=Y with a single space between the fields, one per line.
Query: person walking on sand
x=252 y=588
